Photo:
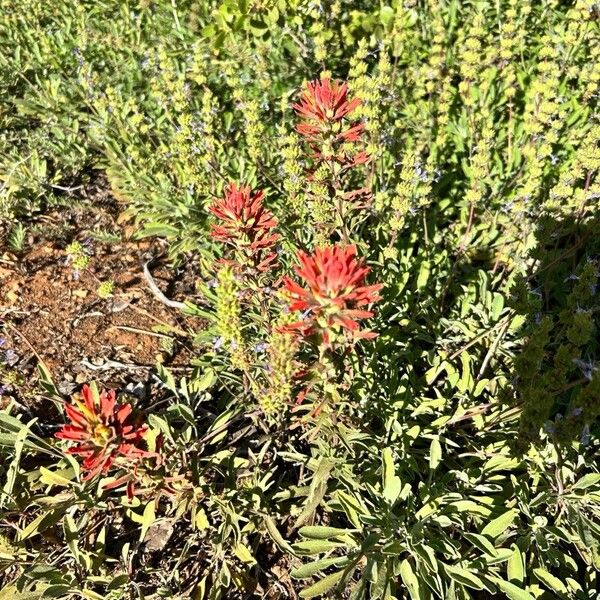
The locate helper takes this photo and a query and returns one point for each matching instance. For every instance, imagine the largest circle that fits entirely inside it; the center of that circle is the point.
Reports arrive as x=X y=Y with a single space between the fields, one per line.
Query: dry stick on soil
x=173 y=328
x=140 y=331
x=157 y=292
x=22 y=336
x=113 y=364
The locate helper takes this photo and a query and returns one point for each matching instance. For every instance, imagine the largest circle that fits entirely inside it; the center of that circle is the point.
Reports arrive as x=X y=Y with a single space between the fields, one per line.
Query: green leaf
x=202 y=383
x=45 y=380
x=277 y=537
x=316 y=546
x=554 y=584
x=10 y=428
x=71 y=536
x=59 y=590
x=318 y=487
x=49 y=477
x=12 y=593
x=13 y=468
x=320 y=532
x=497 y=306
x=500 y=524
x=148 y=517
x=464 y=577
x=512 y=591
x=167 y=378
x=386 y=15
x=515 y=568
x=352 y=507
x=428 y=556
x=466 y=379
x=435 y=453
x=424 y=272
x=41 y=523
x=151 y=229
x=586 y=481
x=201 y=521
x=244 y=554
x=312 y=568
x=391 y=482
x=322 y=586
x=481 y=542
x=410 y=580
x=499 y=556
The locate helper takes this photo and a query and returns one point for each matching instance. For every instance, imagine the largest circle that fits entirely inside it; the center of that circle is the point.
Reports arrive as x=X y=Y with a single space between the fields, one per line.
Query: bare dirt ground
x=51 y=313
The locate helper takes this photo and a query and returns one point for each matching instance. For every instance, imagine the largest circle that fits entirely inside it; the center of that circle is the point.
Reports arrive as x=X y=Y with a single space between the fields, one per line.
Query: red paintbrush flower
x=324 y=102
x=245 y=223
x=103 y=431
x=323 y=106
x=333 y=292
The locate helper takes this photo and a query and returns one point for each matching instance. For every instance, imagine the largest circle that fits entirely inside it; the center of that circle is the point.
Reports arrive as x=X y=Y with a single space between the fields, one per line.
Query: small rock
x=66 y=387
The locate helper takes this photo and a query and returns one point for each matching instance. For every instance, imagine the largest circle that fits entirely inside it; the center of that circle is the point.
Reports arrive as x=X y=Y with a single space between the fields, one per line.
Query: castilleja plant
x=105 y=434
x=337 y=146
x=325 y=108
x=332 y=294
x=245 y=225
x=248 y=228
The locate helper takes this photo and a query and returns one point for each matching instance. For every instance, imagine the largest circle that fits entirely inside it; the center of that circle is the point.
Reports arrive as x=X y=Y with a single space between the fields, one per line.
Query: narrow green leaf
x=322 y=586
x=435 y=453
x=500 y=524
x=586 y=481
x=316 y=546
x=464 y=577
x=277 y=537
x=148 y=517
x=318 y=487
x=554 y=584
x=320 y=532
x=391 y=482
x=41 y=523
x=511 y=590
x=312 y=568
x=516 y=568
x=481 y=542
x=409 y=579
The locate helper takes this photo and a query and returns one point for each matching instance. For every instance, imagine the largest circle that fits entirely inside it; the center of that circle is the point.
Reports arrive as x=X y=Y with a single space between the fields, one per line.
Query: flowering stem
x=340 y=209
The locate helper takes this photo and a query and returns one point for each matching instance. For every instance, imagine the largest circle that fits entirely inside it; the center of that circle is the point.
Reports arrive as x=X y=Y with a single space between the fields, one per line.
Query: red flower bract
x=334 y=292
x=323 y=105
x=325 y=109
x=245 y=223
x=325 y=102
x=103 y=431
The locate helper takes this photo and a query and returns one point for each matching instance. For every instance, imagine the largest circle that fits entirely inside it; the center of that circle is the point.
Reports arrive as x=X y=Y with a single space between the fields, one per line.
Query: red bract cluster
x=245 y=224
x=333 y=293
x=326 y=124
x=104 y=432
x=324 y=106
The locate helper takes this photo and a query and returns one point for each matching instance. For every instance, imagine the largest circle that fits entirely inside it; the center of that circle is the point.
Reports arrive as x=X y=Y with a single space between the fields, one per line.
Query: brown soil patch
x=52 y=313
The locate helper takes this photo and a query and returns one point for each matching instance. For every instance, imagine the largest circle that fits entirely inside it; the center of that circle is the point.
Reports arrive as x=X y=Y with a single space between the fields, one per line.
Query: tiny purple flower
x=11 y=357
